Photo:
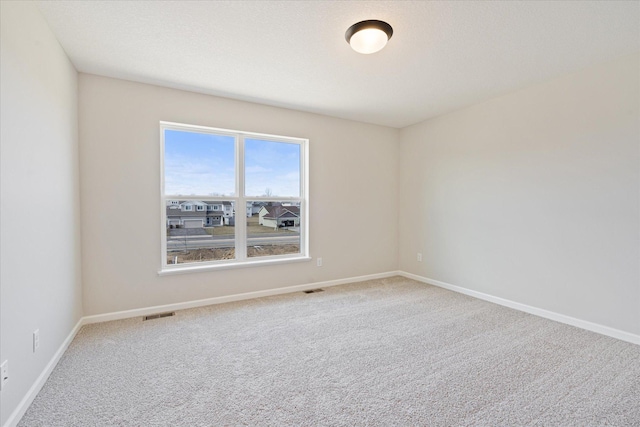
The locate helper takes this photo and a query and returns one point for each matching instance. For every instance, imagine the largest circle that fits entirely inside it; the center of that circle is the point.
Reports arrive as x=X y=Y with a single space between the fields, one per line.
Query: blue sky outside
x=204 y=164
x=271 y=165
x=198 y=164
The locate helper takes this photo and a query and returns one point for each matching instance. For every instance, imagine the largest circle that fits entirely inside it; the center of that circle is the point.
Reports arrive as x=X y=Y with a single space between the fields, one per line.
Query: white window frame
x=239 y=199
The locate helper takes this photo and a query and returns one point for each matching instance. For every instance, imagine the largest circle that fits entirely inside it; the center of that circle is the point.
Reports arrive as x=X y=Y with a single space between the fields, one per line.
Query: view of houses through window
x=231 y=197
x=273 y=228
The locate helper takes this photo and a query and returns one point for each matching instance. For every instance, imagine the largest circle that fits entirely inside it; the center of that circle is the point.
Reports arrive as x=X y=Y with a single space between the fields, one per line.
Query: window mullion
x=241 y=222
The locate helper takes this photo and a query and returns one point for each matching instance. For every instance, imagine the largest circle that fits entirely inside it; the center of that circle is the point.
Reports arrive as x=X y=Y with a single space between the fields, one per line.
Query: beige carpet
x=389 y=352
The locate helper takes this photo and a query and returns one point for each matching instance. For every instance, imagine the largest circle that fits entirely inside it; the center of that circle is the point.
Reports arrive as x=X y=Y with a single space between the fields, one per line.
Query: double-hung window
x=262 y=182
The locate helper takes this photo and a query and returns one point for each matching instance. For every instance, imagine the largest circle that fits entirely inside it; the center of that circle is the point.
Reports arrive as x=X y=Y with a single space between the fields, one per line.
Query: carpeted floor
x=390 y=352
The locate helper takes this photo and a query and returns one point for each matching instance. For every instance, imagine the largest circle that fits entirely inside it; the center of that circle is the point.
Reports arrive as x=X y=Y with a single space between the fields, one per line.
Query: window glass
x=199 y=236
x=198 y=164
x=272 y=169
x=203 y=183
x=273 y=228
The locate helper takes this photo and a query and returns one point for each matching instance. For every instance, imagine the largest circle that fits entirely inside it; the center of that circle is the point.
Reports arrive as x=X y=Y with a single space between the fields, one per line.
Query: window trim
x=239 y=199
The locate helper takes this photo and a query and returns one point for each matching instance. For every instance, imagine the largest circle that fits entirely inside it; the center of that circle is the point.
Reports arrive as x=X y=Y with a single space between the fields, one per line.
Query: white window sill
x=188 y=268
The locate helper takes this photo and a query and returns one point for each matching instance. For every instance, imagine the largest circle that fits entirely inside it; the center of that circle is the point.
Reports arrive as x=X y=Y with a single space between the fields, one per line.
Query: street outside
x=197 y=242
x=217 y=243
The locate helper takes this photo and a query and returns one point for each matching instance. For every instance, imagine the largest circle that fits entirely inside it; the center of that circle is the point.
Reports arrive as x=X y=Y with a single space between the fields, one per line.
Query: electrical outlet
x=319 y=262
x=36 y=340
x=419 y=257
x=4 y=374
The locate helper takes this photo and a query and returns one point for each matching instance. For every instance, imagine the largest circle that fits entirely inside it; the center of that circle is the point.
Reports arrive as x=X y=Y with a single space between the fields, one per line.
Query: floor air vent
x=159 y=315
x=313 y=291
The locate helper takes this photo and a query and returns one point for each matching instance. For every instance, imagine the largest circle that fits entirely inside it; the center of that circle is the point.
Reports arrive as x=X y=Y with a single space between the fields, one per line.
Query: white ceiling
x=443 y=55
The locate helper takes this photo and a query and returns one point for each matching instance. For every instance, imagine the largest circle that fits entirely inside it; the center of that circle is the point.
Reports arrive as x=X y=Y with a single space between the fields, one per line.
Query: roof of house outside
x=275 y=212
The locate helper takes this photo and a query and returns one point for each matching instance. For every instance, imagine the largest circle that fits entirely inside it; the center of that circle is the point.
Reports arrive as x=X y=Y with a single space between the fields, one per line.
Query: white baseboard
x=17 y=414
x=584 y=324
x=229 y=298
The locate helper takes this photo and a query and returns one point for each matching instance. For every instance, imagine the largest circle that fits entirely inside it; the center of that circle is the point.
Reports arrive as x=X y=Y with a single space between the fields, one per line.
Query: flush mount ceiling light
x=368 y=36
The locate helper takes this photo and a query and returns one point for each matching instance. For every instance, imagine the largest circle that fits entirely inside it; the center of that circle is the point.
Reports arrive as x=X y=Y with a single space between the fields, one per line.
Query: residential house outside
x=197 y=214
x=279 y=216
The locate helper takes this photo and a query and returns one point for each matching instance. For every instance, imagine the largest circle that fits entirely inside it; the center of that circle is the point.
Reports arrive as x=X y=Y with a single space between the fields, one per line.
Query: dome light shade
x=368 y=36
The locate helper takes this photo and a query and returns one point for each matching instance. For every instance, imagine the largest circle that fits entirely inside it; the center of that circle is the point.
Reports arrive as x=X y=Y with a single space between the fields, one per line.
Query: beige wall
x=39 y=197
x=353 y=170
x=533 y=196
